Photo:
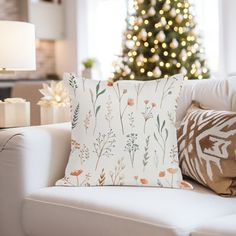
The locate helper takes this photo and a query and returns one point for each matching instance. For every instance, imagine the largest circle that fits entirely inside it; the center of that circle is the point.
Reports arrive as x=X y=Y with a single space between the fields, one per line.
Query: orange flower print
x=162 y=173
x=136 y=179
x=147 y=113
x=154 y=104
x=172 y=170
x=74 y=145
x=144 y=181
x=185 y=185
x=110 y=83
x=130 y=102
x=76 y=172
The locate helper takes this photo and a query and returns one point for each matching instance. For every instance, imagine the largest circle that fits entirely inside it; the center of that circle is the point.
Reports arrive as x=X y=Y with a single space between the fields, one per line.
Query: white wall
x=228 y=36
x=71 y=51
x=66 y=50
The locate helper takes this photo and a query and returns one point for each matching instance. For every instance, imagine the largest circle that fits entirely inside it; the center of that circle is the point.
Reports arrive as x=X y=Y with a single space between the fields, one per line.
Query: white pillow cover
x=123 y=133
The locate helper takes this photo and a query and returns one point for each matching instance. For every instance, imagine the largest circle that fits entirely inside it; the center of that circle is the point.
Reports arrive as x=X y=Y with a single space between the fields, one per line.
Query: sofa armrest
x=30 y=158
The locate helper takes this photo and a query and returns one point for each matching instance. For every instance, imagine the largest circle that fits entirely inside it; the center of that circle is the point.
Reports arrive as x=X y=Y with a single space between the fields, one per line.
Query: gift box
x=14 y=112
x=54 y=114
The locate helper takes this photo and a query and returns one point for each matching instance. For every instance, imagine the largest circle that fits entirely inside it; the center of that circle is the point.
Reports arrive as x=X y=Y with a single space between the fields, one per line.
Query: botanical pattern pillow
x=207 y=147
x=123 y=133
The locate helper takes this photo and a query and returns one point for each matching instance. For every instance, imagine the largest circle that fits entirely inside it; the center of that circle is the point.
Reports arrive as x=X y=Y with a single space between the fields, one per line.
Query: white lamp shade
x=17 y=46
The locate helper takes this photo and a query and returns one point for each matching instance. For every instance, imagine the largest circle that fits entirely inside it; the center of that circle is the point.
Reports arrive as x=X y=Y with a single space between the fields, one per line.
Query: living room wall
x=45 y=50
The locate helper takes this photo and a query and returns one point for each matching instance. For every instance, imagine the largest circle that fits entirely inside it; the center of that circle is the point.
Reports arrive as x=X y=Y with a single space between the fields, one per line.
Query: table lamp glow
x=17 y=46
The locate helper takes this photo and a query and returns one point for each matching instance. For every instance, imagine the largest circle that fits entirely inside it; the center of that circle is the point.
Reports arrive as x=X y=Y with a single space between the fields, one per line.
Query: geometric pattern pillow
x=123 y=133
x=207 y=148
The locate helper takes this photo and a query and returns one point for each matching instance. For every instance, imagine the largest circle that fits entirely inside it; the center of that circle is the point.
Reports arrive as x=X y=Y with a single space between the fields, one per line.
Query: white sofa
x=33 y=158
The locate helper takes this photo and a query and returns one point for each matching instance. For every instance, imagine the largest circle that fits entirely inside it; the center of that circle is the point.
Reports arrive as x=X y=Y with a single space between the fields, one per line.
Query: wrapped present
x=55 y=104
x=54 y=114
x=14 y=112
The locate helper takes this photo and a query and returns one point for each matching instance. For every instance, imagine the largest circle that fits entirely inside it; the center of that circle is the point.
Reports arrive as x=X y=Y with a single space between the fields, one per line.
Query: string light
x=155 y=41
x=134 y=53
x=164 y=45
x=185 y=10
x=131 y=59
x=200 y=77
x=129 y=36
x=142 y=70
x=146 y=22
x=136 y=27
x=161 y=63
x=138 y=44
x=167 y=65
x=143 y=12
x=150 y=74
x=157 y=25
x=135 y=38
x=170 y=22
x=173 y=54
x=204 y=70
x=186 y=5
x=185 y=77
x=193 y=71
x=177 y=11
x=132 y=76
x=146 y=44
x=153 y=50
x=139 y=63
x=145 y=59
x=149 y=34
x=183 y=43
x=179 y=4
x=165 y=53
x=129 y=54
x=185 y=16
x=178 y=65
x=161 y=12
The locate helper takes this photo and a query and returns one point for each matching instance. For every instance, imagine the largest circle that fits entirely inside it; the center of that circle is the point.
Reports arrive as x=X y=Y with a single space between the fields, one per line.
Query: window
x=106 y=24
x=207 y=18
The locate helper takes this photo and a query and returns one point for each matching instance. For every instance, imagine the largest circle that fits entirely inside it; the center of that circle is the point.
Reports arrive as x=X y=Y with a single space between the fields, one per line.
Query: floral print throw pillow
x=123 y=133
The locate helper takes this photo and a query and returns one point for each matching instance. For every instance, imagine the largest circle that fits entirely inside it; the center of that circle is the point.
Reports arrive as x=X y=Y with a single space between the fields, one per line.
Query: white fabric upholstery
x=35 y=157
x=30 y=158
x=119 y=211
x=222 y=226
x=214 y=94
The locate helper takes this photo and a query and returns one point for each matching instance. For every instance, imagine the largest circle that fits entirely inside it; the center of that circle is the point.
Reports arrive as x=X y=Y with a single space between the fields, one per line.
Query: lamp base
x=4 y=71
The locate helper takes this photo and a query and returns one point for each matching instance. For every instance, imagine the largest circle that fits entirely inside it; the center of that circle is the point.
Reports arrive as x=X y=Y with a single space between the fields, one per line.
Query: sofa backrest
x=213 y=93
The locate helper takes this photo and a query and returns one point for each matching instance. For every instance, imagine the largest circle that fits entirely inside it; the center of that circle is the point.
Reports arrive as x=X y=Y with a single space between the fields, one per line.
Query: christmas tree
x=160 y=41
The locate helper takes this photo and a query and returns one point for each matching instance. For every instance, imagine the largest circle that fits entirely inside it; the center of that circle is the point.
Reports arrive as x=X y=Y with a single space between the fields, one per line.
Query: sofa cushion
x=222 y=226
x=123 y=133
x=207 y=143
x=117 y=211
x=213 y=93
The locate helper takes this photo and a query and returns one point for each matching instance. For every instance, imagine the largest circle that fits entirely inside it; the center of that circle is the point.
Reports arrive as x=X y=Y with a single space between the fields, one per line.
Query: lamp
x=17 y=46
x=17 y=53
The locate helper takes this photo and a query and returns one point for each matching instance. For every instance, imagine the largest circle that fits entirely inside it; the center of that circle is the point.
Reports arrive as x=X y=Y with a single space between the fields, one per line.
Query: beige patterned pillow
x=207 y=148
x=123 y=133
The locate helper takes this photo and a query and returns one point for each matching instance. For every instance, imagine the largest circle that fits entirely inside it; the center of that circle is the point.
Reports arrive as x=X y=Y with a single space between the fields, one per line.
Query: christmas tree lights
x=160 y=41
